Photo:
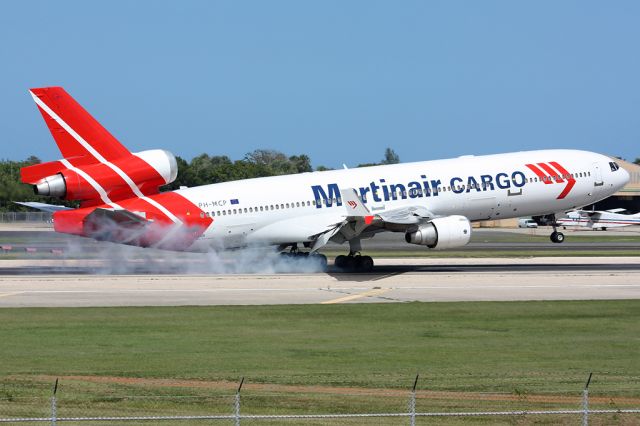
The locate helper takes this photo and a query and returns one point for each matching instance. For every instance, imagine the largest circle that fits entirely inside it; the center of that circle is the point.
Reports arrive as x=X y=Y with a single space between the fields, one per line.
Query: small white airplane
x=431 y=203
x=599 y=219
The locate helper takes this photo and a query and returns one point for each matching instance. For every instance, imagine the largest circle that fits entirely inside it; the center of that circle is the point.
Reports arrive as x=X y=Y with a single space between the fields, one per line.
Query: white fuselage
x=293 y=208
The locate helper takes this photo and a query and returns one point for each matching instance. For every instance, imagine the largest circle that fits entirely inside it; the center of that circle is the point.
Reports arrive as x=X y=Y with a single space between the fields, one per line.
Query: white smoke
x=108 y=258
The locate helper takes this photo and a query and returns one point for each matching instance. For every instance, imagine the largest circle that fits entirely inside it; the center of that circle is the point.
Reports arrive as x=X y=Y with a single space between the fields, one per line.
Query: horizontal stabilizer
x=50 y=208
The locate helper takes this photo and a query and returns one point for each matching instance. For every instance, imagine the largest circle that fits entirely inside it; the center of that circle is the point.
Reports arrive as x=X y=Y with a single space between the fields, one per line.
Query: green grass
x=517 y=348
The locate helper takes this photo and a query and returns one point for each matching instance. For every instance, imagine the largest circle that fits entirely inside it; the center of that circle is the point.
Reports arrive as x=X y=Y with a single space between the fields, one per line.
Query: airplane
x=432 y=203
x=599 y=219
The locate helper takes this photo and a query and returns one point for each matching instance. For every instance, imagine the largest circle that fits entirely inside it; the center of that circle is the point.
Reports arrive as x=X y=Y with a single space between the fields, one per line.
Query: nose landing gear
x=556 y=237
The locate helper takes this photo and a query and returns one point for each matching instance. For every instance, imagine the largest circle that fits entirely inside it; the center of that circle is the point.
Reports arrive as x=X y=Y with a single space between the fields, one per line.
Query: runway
x=395 y=280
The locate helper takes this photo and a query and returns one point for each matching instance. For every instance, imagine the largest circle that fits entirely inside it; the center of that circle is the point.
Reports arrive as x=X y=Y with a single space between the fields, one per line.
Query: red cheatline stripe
x=539 y=173
x=570 y=180
x=552 y=173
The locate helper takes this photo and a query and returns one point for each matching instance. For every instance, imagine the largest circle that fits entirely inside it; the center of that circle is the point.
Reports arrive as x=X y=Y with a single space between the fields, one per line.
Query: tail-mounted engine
x=442 y=233
x=78 y=179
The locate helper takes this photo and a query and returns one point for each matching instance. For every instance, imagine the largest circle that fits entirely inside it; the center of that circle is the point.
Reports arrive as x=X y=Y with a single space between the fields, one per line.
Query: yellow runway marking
x=374 y=292
x=10 y=294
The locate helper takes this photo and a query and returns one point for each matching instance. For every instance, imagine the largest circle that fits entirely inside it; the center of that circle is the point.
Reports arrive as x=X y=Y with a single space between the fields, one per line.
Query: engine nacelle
x=148 y=170
x=442 y=233
x=51 y=186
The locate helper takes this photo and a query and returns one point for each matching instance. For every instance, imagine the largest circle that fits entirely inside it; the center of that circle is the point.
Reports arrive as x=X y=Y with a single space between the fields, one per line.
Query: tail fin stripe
x=99 y=189
x=101 y=159
x=69 y=130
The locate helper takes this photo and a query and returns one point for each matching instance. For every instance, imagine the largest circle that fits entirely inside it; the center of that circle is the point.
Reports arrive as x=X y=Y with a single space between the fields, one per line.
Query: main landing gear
x=354 y=263
x=317 y=259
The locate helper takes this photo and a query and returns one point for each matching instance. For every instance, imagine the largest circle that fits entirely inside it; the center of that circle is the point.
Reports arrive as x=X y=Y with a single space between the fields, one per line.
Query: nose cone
x=623 y=178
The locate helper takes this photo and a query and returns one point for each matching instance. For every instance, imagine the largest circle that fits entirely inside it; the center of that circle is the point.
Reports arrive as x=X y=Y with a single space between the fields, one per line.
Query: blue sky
x=339 y=81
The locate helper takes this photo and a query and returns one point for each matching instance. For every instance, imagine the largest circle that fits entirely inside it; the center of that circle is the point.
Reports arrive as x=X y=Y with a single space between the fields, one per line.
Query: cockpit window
x=614 y=166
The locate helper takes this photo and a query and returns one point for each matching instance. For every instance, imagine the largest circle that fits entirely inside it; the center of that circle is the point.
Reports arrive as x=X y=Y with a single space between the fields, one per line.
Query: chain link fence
x=319 y=407
x=32 y=217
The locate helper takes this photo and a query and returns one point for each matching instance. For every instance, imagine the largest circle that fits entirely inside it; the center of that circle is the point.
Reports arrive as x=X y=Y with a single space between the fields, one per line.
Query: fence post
x=585 y=402
x=412 y=403
x=237 y=403
x=54 y=407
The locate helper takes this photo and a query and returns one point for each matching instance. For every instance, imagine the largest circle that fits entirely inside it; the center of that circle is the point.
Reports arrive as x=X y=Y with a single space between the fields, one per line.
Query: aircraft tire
x=322 y=260
x=365 y=264
x=560 y=237
x=340 y=261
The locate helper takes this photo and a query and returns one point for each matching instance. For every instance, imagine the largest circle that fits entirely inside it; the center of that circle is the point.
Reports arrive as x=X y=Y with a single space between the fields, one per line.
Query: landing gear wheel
x=353 y=263
x=557 y=237
x=341 y=261
x=321 y=259
x=364 y=264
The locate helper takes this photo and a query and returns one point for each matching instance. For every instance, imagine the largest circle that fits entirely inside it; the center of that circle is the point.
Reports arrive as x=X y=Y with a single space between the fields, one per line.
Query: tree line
x=201 y=170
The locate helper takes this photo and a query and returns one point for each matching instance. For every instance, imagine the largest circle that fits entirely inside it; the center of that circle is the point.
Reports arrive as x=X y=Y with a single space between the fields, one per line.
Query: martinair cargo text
x=432 y=203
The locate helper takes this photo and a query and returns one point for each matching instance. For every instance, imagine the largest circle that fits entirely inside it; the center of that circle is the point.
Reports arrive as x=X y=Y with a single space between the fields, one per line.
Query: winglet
x=355 y=206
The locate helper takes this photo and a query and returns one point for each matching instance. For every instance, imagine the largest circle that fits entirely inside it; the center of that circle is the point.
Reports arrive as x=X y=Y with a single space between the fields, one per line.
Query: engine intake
x=51 y=186
x=442 y=233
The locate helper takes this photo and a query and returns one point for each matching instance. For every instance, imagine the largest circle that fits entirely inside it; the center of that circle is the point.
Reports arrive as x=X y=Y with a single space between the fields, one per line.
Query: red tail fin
x=75 y=131
x=96 y=168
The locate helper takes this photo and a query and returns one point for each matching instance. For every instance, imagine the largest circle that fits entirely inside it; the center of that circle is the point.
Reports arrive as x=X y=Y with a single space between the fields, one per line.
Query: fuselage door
x=598 y=183
x=597 y=175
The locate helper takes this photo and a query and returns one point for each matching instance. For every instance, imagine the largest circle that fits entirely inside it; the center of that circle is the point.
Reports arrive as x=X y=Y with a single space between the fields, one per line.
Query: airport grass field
x=322 y=358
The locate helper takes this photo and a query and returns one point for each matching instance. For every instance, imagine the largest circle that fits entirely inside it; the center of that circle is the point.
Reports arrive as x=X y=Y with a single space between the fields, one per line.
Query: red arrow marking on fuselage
x=552 y=173
x=539 y=173
x=570 y=180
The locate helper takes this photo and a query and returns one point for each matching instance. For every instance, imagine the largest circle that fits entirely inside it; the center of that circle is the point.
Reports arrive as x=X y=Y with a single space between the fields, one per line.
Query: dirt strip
x=338 y=390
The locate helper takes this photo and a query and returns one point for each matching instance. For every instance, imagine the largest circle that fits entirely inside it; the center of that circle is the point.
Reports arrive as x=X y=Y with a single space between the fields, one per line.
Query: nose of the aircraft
x=623 y=177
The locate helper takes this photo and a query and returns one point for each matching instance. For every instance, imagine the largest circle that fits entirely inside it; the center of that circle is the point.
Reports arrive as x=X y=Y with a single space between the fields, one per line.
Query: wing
x=359 y=219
